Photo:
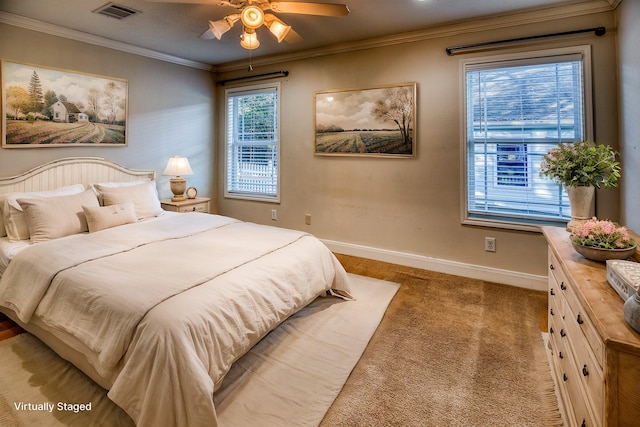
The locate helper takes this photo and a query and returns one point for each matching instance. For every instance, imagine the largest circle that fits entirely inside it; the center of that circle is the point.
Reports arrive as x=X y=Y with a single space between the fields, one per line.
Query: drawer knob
x=563 y=286
x=551 y=267
x=563 y=333
x=584 y=423
x=579 y=320
x=193 y=209
x=560 y=355
x=551 y=311
x=551 y=330
x=564 y=377
x=585 y=372
x=551 y=291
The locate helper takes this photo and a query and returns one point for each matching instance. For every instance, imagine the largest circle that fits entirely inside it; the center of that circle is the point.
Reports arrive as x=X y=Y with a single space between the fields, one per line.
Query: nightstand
x=199 y=204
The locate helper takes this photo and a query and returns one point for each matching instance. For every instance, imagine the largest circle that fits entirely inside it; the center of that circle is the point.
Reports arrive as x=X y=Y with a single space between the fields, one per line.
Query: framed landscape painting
x=47 y=107
x=377 y=121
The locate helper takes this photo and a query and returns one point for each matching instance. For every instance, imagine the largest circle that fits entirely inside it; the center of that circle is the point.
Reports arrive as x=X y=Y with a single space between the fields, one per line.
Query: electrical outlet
x=490 y=244
x=274 y=215
x=307 y=219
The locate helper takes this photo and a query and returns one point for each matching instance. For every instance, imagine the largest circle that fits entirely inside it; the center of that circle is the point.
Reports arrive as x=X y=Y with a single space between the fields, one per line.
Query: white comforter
x=166 y=306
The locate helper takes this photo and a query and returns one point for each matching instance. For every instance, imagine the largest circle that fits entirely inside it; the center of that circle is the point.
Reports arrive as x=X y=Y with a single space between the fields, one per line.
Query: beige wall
x=628 y=16
x=401 y=206
x=171 y=107
x=411 y=206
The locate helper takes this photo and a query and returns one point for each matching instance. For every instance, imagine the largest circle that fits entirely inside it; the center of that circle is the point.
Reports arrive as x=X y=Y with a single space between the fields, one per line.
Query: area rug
x=290 y=378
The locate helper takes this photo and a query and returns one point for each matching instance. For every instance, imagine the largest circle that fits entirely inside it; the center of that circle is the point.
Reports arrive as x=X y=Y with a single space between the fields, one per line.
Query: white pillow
x=144 y=197
x=101 y=217
x=112 y=184
x=52 y=217
x=14 y=221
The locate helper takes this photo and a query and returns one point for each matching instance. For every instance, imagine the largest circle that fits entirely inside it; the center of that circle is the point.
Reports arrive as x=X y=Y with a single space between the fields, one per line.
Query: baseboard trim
x=508 y=277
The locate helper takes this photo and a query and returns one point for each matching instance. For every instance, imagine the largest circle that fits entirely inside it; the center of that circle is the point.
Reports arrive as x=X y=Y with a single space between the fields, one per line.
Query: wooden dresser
x=595 y=354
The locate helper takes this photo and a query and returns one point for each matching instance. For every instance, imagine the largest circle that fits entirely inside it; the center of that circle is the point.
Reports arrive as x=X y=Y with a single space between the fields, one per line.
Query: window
x=517 y=109
x=252 y=148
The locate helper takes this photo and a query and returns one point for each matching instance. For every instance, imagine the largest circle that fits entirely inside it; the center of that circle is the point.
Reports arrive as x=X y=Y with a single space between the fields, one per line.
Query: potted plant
x=581 y=167
x=601 y=240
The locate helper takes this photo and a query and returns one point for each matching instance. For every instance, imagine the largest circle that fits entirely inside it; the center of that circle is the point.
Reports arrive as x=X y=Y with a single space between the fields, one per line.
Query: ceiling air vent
x=116 y=11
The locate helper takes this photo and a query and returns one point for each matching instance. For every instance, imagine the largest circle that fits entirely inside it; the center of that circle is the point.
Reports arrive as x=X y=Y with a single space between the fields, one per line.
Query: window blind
x=252 y=143
x=516 y=111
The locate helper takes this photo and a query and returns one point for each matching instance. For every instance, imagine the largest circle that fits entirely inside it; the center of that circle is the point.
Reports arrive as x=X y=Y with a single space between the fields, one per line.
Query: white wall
x=171 y=107
x=411 y=207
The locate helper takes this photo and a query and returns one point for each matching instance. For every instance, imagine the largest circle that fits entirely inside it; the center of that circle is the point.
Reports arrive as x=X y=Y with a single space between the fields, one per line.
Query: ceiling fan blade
x=293 y=37
x=207 y=35
x=322 y=9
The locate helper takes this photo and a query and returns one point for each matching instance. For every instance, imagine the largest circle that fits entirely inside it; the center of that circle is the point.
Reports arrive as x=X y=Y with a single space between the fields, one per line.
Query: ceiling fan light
x=218 y=28
x=232 y=19
x=252 y=17
x=249 y=39
x=278 y=28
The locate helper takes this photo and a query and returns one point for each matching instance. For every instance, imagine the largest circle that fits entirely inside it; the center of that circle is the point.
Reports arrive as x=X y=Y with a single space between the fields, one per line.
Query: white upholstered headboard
x=72 y=170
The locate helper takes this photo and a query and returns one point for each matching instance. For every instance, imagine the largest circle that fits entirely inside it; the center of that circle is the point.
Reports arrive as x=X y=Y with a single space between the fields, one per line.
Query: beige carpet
x=450 y=351
x=289 y=379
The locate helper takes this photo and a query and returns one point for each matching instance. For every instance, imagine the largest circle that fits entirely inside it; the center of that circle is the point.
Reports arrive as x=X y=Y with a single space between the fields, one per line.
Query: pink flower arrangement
x=602 y=234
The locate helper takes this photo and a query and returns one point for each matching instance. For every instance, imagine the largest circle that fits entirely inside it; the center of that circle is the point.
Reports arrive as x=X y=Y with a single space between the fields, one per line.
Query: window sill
x=252 y=198
x=510 y=225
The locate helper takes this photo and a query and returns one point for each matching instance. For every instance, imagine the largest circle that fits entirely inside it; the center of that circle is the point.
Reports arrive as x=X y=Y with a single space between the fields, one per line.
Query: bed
x=154 y=306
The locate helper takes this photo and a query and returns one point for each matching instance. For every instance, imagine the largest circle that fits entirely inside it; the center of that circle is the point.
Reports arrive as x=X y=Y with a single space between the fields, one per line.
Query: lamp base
x=178 y=187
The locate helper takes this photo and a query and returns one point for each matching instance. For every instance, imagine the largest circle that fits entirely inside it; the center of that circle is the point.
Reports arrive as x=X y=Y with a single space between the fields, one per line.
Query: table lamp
x=178 y=167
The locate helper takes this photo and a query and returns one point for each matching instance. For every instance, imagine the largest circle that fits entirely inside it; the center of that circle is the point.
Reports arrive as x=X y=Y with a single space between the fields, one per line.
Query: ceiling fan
x=255 y=13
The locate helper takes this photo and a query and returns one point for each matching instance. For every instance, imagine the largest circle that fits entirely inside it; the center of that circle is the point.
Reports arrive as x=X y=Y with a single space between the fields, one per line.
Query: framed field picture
x=47 y=107
x=376 y=121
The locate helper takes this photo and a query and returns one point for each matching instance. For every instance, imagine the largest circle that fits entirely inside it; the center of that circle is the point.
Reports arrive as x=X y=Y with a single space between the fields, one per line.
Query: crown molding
x=55 y=30
x=477 y=25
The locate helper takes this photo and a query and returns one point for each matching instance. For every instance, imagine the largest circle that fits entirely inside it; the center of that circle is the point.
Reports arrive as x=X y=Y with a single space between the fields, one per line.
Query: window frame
x=257 y=89
x=505 y=60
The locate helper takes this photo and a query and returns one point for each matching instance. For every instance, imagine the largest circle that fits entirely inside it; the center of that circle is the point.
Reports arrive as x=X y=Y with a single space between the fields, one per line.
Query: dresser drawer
x=559 y=351
x=576 y=314
x=556 y=316
x=580 y=414
x=557 y=279
x=588 y=370
x=575 y=400
x=584 y=324
x=559 y=371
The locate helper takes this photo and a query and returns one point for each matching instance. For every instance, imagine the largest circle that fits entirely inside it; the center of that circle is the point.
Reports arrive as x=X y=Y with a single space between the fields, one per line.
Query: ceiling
x=173 y=28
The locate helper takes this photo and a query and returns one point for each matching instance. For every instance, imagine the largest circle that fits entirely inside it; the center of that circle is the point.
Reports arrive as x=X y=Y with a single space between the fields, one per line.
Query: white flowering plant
x=581 y=164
